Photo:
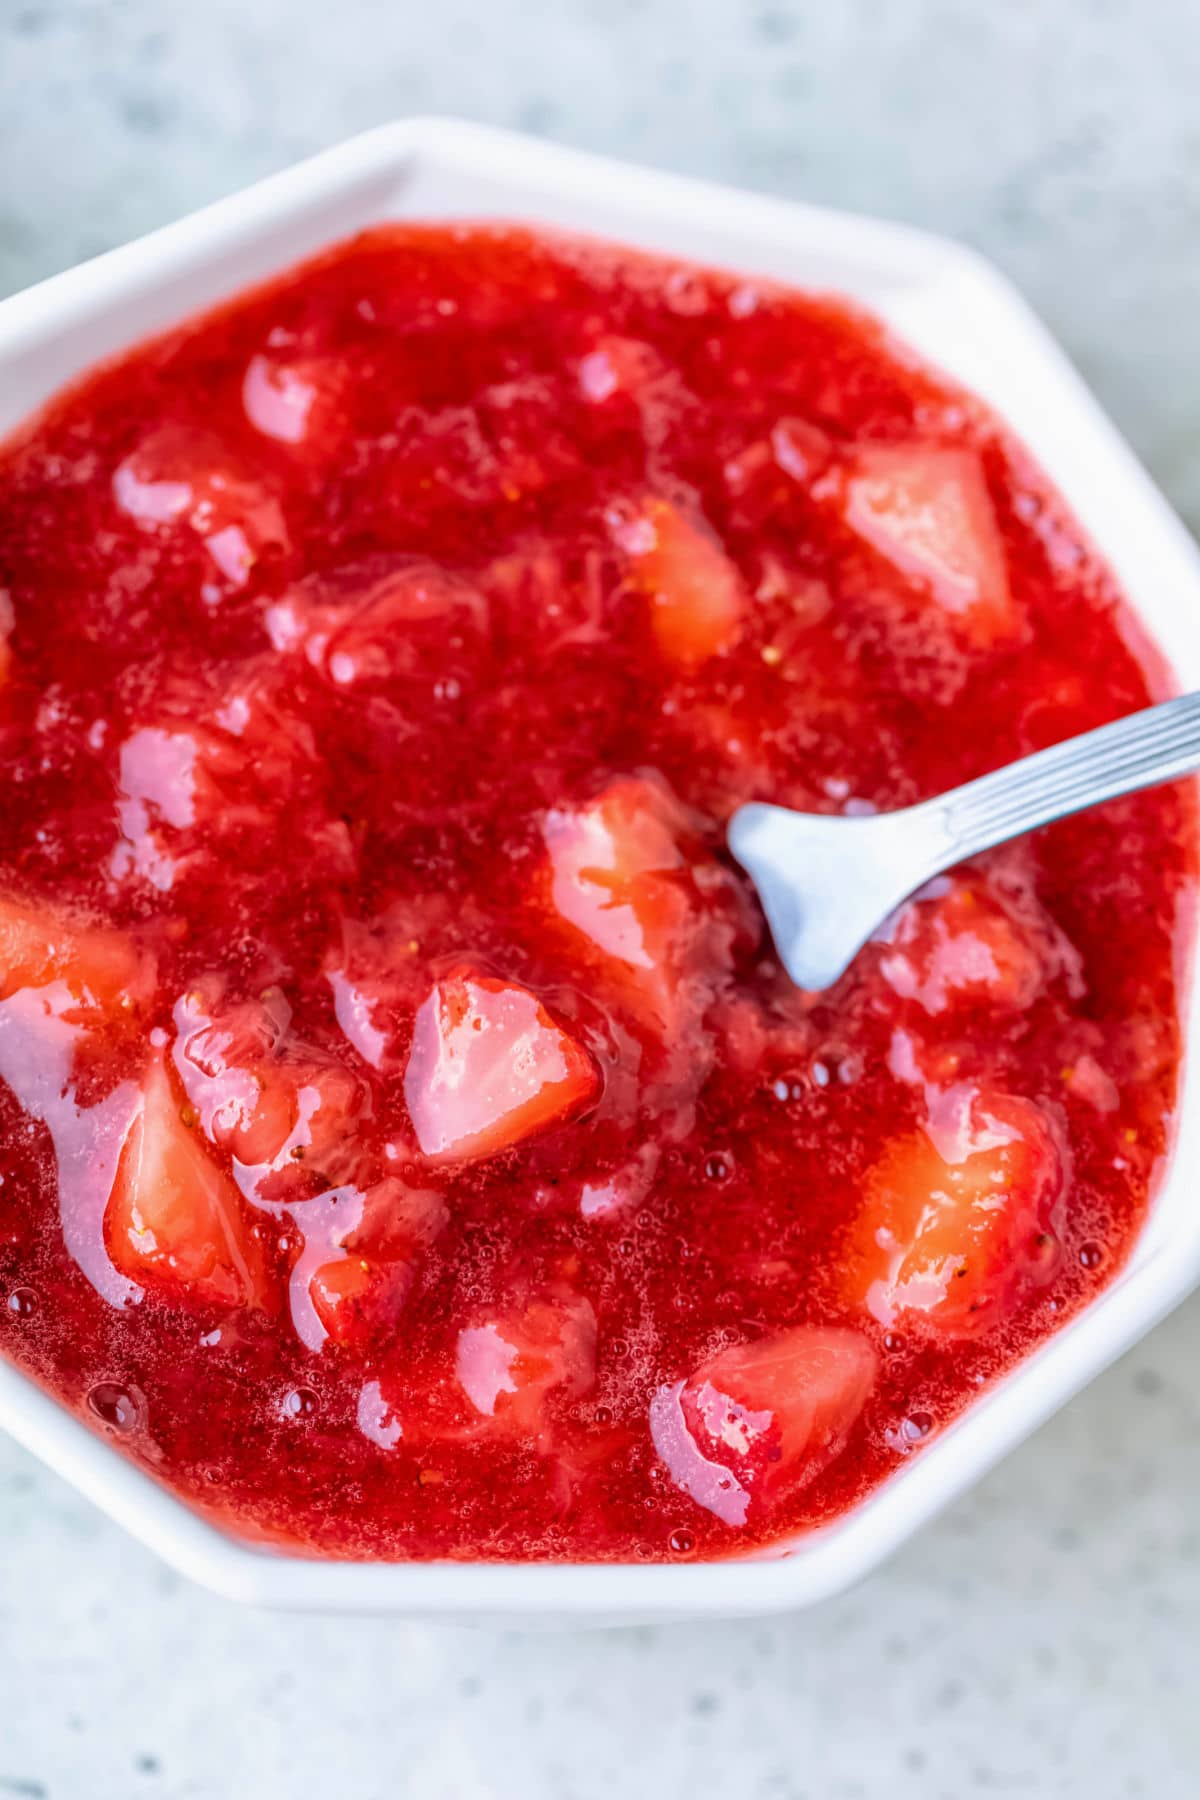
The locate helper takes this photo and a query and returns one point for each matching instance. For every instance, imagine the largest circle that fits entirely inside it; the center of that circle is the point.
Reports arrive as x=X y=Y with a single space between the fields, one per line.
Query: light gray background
x=1040 y=1639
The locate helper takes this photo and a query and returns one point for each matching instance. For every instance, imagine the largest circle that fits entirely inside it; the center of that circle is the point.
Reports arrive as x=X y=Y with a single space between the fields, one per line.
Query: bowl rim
x=258 y=229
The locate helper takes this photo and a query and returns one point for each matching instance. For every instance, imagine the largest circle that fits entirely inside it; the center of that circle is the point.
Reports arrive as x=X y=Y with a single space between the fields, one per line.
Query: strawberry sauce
x=409 y=1145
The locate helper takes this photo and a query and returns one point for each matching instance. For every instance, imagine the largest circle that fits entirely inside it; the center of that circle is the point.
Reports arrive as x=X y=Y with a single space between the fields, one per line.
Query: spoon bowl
x=826 y=882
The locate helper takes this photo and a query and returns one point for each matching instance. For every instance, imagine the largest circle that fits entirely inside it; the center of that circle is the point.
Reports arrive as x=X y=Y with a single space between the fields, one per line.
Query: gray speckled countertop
x=1041 y=1638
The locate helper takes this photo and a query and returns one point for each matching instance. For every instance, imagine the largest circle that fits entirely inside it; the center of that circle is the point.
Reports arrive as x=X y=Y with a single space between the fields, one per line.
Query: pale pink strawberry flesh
x=487 y=1067
x=927 y=510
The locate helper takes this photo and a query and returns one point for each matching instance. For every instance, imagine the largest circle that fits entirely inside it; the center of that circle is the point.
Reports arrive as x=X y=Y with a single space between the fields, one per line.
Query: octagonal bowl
x=962 y=315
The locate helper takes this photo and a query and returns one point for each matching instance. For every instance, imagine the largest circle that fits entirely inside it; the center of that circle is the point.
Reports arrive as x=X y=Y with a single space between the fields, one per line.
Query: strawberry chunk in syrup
x=759 y=1420
x=295 y=1120
x=295 y=399
x=927 y=510
x=206 y=769
x=696 y=595
x=658 y=925
x=621 y=365
x=384 y=619
x=290 y=1113
x=960 y=1217
x=378 y=973
x=103 y=969
x=488 y=1066
x=512 y=1364
x=175 y=1220
x=961 y=947
x=359 y=1292
x=181 y=479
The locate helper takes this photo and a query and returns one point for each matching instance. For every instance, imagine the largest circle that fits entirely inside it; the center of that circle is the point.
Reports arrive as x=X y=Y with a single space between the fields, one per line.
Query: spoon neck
x=1160 y=743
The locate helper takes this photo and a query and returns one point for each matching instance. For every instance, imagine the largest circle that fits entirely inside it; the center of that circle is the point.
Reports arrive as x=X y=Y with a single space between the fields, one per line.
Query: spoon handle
x=1158 y=744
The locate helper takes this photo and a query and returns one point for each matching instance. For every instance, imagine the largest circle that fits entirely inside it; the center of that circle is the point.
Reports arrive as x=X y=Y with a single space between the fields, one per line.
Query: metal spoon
x=826 y=884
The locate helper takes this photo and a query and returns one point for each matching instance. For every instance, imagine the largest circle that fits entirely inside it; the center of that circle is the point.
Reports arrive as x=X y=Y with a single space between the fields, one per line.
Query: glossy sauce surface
x=408 y=1144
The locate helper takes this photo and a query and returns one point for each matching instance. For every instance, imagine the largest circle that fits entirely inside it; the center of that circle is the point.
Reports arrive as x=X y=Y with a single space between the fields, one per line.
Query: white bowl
x=957 y=310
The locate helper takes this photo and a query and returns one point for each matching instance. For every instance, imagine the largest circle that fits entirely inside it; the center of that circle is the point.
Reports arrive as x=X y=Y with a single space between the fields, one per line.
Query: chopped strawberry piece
x=800 y=448
x=375 y=1418
x=220 y=1055
x=174 y=1218
x=380 y=619
x=379 y=973
x=961 y=947
x=280 y=1106
x=210 y=765
x=355 y=1299
x=40 y=944
x=398 y=1220
x=488 y=1066
x=278 y=399
x=1087 y=1080
x=927 y=510
x=763 y=476
x=958 y=1219
x=620 y=365
x=294 y=399
x=697 y=596
x=632 y=884
x=359 y=1293
x=354 y=1009
x=759 y=1420
x=483 y=1362
x=178 y=477
x=323 y=1103
x=620 y=1191
x=617 y=879
x=158 y=779
x=509 y=1366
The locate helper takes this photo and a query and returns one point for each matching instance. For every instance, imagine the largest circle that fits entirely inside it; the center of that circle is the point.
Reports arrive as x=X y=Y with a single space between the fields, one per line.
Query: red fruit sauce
x=409 y=1144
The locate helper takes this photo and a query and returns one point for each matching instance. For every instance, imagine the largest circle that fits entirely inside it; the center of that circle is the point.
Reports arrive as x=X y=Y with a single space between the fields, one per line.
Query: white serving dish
x=952 y=306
